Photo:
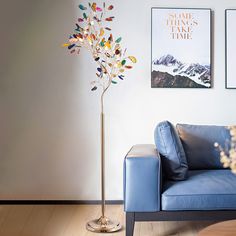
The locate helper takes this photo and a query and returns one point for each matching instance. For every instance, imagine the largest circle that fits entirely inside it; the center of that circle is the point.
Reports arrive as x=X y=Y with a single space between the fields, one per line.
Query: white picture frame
x=230 y=49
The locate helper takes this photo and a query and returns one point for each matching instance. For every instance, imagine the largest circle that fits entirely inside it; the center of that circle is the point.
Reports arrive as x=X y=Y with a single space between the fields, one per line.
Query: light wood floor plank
x=70 y=220
x=15 y=220
x=4 y=210
x=78 y=221
x=38 y=220
x=59 y=220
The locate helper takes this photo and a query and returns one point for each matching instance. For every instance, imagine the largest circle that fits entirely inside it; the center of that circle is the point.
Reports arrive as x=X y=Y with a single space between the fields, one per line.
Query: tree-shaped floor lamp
x=92 y=33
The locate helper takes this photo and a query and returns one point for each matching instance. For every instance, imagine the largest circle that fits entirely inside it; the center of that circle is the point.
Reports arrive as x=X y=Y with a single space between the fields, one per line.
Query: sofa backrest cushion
x=198 y=143
x=172 y=153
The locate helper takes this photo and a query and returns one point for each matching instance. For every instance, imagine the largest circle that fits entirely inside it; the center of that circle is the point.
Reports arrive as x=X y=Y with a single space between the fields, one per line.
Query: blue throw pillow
x=170 y=147
x=198 y=143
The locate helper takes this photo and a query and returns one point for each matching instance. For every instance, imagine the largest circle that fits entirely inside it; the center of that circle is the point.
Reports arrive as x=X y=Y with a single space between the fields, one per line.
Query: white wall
x=49 y=119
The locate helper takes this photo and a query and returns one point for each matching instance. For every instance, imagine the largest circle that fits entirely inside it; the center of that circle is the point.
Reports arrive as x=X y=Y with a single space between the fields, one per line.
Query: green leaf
x=85 y=16
x=123 y=62
x=83 y=8
x=114 y=82
x=118 y=40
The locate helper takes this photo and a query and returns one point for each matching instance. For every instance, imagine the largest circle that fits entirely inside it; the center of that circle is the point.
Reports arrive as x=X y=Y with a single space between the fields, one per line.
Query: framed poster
x=230 y=39
x=181 y=48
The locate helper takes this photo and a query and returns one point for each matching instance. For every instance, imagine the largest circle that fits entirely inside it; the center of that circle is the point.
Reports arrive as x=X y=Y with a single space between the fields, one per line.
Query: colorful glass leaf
x=123 y=62
x=118 y=40
x=107 y=28
x=117 y=51
x=93 y=36
x=78 y=27
x=102 y=43
x=121 y=70
x=99 y=69
x=80 y=36
x=107 y=45
x=94 y=88
x=108 y=19
x=107 y=55
x=95 y=18
x=97 y=58
x=85 y=16
x=110 y=7
x=90 y=41
x=65 y=45
x=117 y=46
x=128 y=67
x=119 y=65
x=133 y=59
x=121 y=77
x=110 y=38
x=71 y=46
x=73 y=40
x=99 y=9
x=94 y=6
x=83 y=8
x=80 y=20
x=114 y=82
x=101 y=32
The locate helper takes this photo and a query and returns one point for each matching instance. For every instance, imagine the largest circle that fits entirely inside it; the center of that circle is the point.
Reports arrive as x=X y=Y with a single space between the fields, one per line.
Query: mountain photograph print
x=181 y=48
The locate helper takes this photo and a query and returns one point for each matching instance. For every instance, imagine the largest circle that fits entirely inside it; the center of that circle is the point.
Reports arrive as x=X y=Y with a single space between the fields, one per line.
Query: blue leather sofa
x=179 y=178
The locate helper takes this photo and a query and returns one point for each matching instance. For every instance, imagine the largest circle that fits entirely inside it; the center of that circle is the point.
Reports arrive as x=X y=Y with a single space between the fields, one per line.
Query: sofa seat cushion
x=204 y=190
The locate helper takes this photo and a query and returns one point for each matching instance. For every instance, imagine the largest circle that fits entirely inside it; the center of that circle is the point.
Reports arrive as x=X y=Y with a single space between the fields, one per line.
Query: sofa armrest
x=142 y=179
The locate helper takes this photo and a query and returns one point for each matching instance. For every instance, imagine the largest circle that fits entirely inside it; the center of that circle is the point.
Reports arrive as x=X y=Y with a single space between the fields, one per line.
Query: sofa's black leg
x=130 y=223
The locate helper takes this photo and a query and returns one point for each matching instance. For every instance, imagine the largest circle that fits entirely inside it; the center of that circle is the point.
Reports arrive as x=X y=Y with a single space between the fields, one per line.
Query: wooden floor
x=70 y=220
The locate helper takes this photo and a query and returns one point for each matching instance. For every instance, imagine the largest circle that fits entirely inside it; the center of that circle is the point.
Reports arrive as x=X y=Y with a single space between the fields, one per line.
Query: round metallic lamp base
x=103 y=225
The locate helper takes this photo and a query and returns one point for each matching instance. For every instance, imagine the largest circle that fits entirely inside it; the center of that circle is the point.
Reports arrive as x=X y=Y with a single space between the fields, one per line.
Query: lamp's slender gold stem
x=102 y=164
x=103 y=224
x=102 y=156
